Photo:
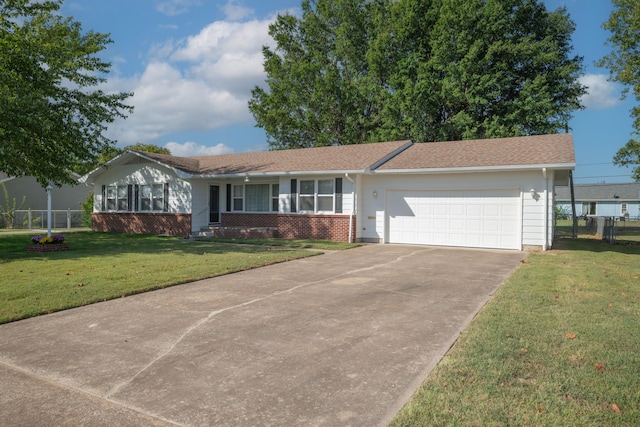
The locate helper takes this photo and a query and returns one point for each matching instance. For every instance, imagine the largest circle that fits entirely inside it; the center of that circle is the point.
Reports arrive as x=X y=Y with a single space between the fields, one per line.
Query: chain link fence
x=30 y=219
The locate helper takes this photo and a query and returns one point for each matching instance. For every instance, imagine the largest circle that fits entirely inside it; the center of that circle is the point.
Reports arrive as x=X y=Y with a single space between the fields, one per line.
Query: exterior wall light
x=375 y=194
x=534 y=194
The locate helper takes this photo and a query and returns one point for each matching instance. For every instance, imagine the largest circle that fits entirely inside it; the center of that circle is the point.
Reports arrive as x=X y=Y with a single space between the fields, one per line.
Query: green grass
x=557 y=345
x=102 y=266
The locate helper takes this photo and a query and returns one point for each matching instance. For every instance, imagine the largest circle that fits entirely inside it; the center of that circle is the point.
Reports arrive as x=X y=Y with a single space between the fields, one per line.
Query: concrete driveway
x=342 y=339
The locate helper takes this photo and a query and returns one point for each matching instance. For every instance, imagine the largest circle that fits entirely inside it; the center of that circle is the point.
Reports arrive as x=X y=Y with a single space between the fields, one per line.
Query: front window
x=307 y=196
x=238 y=197
x=258 y=197
x=624 y=208
x=151 y=197
x=325 y=195
x=117 y=198
x=255 y=197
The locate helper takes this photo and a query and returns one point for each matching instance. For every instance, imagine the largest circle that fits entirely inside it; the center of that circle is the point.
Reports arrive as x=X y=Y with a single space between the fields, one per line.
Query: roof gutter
x=557 y=166
x=275 y=174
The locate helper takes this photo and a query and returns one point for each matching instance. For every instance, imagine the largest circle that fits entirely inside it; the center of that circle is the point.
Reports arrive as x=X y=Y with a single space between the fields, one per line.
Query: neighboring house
x=35 y=196
x=493 y=193
x=616 y=200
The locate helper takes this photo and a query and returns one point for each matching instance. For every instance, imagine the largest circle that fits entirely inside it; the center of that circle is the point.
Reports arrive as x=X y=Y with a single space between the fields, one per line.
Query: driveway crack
x=116 y=388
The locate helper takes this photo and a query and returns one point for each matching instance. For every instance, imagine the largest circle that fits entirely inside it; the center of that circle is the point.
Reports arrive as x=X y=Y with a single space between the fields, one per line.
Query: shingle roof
x=335 y=158
x=386 y=156
x=519 y=151
x=599 y=192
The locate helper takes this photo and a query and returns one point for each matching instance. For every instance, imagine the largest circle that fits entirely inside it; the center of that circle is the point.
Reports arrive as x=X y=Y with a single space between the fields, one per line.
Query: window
x=588 y=208
x=117 y=197
x=322 y=195
x=256 y=197
x=133 y=198
x=151 y=197
x=624 y=208
x=307 y=196
x=238 y=197
x=111 y=197
x=325 y=195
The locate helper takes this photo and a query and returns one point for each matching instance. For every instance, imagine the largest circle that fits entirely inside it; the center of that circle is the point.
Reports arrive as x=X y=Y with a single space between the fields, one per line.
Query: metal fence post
x=30 y=219
x=68 y=218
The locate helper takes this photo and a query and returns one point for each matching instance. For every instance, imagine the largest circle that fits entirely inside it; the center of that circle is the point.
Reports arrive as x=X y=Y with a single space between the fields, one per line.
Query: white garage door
x=470 y=218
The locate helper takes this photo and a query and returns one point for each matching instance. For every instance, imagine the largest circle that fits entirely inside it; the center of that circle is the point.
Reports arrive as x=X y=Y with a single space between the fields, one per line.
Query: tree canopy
x=623 y=63
x=53 y=113
x=356 y=71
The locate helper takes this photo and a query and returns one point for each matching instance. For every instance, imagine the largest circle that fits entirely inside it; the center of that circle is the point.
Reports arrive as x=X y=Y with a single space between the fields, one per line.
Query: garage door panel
x=473 y=218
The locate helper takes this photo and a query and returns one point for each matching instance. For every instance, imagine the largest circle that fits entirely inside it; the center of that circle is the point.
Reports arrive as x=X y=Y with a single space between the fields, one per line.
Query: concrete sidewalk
x=343 y=339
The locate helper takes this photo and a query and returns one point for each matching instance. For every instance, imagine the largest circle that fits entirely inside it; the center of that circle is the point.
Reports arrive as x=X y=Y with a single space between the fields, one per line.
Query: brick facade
x=296 y=226
x=143 y=223
x=285 y=226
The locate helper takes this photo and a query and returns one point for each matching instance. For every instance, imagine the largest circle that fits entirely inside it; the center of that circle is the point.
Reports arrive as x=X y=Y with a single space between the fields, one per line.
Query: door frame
x=214 y=204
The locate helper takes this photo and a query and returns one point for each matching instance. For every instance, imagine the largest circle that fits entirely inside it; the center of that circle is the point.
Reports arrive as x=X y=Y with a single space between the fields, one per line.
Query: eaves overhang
x=470 y=169
x=275 y=174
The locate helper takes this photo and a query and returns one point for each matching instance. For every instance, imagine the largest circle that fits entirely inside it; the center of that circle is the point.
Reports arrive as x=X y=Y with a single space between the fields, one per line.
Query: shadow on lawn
x=92 y=244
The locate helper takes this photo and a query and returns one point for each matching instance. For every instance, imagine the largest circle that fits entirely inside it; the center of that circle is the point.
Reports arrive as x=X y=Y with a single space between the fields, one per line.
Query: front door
x=214 y=203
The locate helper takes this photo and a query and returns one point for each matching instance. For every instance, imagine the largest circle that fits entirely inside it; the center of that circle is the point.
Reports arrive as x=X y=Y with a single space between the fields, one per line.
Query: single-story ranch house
x=491 y=193
x=615 y=200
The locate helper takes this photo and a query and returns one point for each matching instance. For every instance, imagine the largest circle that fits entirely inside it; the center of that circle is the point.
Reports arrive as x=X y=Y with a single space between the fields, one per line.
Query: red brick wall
x=248 y=220
x=296 y=226
x=143 y=223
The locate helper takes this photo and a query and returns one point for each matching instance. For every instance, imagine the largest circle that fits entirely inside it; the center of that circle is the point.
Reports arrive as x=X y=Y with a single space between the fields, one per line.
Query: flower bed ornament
x=40 y=243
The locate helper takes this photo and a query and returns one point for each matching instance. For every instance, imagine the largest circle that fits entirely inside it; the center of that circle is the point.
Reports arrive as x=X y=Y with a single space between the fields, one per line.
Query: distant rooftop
x=594 y=192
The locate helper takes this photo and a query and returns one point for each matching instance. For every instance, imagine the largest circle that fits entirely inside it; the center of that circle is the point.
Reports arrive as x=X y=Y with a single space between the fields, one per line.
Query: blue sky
x=192 y=65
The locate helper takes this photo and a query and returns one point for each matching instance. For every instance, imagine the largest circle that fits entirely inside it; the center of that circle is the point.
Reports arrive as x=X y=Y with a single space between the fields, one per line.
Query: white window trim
x=272 y=197
x=316 y=196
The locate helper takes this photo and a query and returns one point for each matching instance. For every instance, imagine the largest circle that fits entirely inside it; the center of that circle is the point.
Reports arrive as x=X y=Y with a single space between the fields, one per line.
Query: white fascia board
x=559 y=166
x=275 y=174
x=118 y=159
x=180 y=173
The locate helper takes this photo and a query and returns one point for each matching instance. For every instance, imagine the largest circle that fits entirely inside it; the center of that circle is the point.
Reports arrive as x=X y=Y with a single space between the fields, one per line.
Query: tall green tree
x=624 y=65
x=323 y=89
x=53 y=113
x=428 y=70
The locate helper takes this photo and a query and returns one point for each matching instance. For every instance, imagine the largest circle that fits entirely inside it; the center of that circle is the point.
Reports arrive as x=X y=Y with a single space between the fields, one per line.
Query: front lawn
x=102 y=266
x=556 y=346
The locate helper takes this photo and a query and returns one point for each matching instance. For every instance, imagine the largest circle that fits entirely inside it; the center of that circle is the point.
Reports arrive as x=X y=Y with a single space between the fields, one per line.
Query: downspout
x=546 y=209
x=353 y=205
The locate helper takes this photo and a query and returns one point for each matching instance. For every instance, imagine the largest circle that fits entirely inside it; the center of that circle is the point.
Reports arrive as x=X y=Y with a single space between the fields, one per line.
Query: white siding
x=146 y=173
x=371 y=221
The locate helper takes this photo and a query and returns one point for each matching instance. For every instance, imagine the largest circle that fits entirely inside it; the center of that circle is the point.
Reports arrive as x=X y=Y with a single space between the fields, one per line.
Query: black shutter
x=294 y=195
x=338 y=195
x=166 y=197
x=129 y=197
x=104 y=199
x=136 y=198
x=228 y=197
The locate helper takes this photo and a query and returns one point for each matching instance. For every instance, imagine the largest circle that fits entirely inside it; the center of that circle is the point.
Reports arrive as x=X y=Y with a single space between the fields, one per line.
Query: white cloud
x=200 y=84
x=234 y=11
x=192 y=149
x=601 y=93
